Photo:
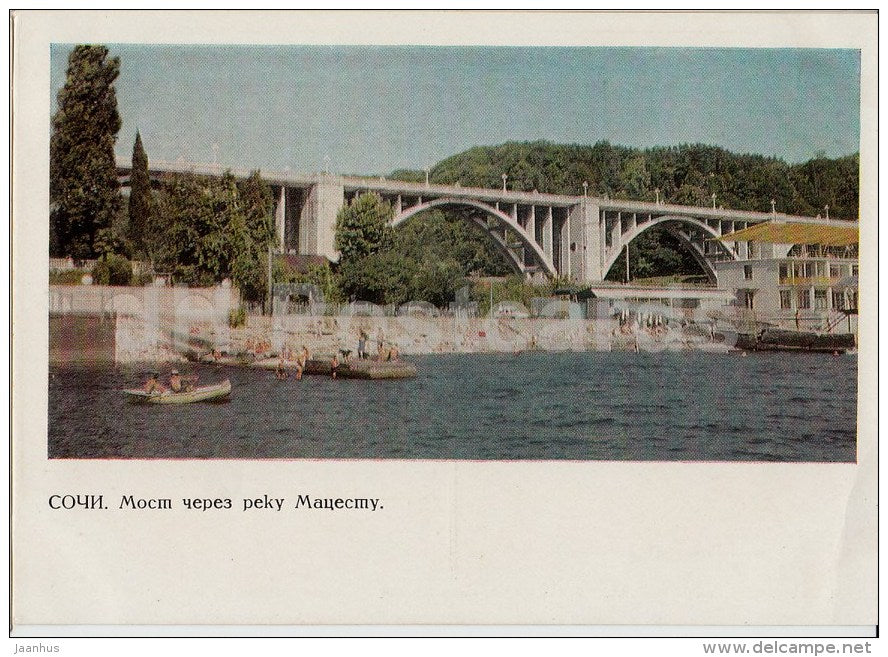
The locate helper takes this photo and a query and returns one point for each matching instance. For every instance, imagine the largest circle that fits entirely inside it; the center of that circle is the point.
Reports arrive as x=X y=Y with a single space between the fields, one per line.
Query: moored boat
x=784 y=340
x=357 y=368
x=374 y=369
x=214 y=392
x=322 y=365
x=228 y=359
x=274 y=363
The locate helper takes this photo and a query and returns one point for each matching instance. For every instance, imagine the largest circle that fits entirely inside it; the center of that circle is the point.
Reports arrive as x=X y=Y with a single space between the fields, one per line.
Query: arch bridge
x=574 y=237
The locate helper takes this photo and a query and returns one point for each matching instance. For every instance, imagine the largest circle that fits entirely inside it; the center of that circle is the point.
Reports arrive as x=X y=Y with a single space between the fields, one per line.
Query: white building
x=800 y=276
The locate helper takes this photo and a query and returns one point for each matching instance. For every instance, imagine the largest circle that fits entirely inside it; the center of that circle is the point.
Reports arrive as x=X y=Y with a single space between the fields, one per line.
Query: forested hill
x=687 y=174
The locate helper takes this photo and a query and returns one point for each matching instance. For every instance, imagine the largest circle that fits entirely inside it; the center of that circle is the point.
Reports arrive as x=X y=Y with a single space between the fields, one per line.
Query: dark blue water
x=599 y=406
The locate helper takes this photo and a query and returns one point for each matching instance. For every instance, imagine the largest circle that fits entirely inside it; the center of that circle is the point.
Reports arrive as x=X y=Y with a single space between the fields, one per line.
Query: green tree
x=320 y=275
x=215 y=228
x=436 y=235
x=250 y=267
x=362 y=227
x=112 y=269
x=437 y=281
x=140 y=200
x=383 y=277
x=257 y=201
x=83 y=188
x=204 y=228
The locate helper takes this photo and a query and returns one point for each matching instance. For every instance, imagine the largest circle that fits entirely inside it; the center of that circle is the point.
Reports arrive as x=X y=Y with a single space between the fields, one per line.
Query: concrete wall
x=148 y=323
x=79 y=339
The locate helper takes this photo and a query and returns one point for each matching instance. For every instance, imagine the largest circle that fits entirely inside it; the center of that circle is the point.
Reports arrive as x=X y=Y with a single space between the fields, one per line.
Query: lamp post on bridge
x=504 y=177
x=657 y=192
x=585 y=188
x=427 y=176
x=827 y=210
x=713 y=200
x=773 y=206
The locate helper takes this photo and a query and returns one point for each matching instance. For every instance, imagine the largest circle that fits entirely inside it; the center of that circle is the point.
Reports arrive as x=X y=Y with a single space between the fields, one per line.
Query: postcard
x=444 y=318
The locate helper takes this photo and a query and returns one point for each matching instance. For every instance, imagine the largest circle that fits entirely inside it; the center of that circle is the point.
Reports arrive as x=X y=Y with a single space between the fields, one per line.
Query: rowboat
x=214 y=392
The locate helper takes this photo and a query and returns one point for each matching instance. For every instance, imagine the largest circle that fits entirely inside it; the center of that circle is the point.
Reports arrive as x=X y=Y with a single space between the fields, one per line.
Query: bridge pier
x=547 y=233
x=584 y=248
x=280 y=218
x=317 y=222
x=531 y=222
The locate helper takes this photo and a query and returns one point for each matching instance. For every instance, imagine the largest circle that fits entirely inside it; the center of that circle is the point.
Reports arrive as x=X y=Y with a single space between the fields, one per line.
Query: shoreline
x=132 y=339
x=265 y=337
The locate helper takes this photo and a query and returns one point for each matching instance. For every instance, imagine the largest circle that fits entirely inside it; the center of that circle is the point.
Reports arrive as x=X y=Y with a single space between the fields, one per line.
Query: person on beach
x=301 y=360
x=280 y=372
x=362 y=345
x=334 y=365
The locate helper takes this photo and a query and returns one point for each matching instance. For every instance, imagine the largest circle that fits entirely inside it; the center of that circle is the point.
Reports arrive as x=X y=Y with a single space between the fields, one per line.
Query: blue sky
x=370 y=110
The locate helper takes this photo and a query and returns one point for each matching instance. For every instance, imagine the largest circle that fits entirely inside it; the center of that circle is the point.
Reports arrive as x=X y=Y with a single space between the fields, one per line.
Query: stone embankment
x=95 y=324
x=264 y=336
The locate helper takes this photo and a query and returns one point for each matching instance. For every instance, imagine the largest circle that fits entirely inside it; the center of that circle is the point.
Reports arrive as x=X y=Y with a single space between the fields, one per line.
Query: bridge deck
x=394 y=187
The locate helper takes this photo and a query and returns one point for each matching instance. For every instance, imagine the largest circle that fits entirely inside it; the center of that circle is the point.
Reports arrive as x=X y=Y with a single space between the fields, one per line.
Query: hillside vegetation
x=686 y=174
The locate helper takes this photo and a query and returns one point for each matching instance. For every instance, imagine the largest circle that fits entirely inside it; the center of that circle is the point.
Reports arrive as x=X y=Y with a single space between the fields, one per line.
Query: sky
x=371 y=110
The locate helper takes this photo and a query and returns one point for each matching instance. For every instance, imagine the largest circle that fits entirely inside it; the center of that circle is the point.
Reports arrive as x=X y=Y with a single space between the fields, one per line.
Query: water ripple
x=600 y=406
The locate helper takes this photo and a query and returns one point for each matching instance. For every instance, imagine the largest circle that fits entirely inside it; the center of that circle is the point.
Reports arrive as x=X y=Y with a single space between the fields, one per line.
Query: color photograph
x=460 y=252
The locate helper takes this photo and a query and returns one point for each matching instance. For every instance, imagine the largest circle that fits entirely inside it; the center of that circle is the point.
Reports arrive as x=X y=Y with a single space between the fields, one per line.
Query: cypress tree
x=83 y=189
x=140 y=201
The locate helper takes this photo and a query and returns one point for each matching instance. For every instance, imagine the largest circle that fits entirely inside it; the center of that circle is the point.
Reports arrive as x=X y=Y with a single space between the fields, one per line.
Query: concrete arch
x=508 y=222
x=672 y=219
x=502 y=247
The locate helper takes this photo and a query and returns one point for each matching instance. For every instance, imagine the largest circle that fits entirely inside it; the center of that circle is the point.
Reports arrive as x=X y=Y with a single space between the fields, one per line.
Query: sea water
x=544 y=406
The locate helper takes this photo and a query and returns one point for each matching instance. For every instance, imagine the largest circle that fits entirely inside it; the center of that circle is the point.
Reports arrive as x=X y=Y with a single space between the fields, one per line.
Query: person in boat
x=153 y=385
x=393 y=353
x=176 y=383
x=181 y=384
x=334 y=365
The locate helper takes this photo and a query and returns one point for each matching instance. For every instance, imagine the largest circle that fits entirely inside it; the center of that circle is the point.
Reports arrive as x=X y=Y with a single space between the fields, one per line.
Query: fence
x=70 y=264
